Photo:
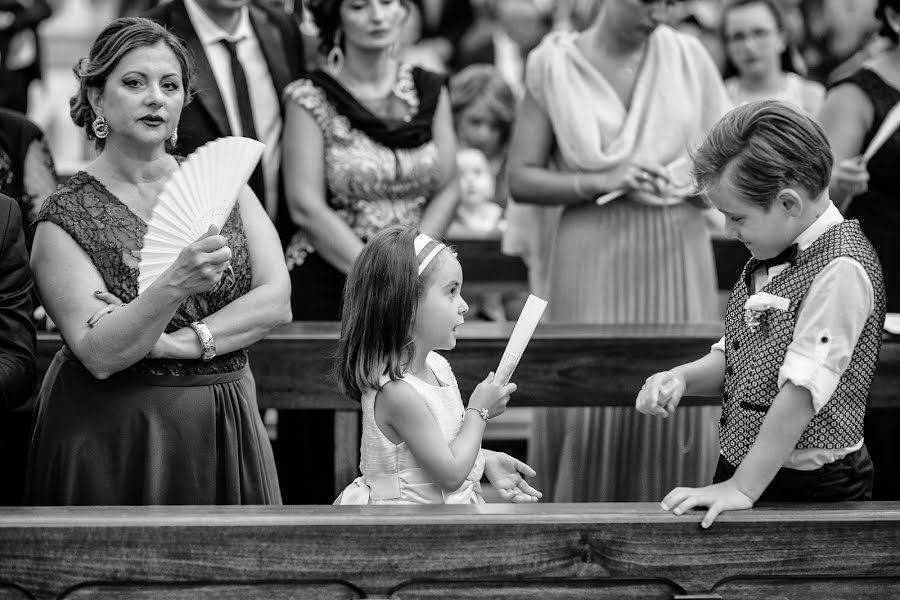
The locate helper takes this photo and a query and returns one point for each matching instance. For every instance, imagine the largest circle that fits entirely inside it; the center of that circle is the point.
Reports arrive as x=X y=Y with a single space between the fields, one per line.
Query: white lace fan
x=201 y=193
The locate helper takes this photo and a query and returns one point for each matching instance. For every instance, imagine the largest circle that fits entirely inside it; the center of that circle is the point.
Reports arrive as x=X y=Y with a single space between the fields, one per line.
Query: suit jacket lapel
x=206 y=88
x=272 y=45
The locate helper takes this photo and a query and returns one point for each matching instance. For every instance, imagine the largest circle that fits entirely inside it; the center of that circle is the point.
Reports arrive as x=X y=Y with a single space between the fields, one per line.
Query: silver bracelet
x=206 y=339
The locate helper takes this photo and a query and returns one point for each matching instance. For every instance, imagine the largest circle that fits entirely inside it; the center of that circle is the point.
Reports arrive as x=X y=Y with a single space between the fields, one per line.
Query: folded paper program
x=521 y=335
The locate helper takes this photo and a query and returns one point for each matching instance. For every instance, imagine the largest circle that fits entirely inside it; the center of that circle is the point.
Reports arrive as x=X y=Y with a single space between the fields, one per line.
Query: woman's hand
x=850 y=178
x=491 y=396
x=112 y=303
x=505 y=474
x=661 y=394
x=200 y=266
x=646 y=176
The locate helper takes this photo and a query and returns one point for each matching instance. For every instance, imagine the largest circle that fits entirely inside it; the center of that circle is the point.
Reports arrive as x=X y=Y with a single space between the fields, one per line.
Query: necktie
x=241 y=92
x=788 y=255
x=245 y=111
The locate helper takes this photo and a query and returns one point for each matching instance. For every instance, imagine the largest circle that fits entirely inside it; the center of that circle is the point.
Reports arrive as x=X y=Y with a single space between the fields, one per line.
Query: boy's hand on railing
x=718 y=498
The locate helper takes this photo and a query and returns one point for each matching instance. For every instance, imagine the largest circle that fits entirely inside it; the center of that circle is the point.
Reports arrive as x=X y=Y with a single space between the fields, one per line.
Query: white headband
x=426 y=249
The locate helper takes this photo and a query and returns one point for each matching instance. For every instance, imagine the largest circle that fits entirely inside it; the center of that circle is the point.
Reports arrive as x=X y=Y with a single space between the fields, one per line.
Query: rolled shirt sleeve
x=830 y=320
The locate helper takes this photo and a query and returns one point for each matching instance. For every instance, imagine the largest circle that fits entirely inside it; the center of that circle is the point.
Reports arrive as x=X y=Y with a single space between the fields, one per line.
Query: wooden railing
x=556 y=551
x=564 y=365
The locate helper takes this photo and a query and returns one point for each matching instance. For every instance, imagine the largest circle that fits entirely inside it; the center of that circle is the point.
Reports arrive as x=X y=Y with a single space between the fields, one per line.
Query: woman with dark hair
x=368 y=143
x=869 y=190
x=760 y=63
x=151 y=399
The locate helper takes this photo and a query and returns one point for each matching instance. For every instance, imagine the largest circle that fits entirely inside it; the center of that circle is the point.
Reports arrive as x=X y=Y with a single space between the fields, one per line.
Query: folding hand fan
x=201 y=193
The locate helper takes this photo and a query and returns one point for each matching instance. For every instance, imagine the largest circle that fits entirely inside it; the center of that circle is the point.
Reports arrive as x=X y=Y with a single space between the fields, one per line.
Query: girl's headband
x=426 y=249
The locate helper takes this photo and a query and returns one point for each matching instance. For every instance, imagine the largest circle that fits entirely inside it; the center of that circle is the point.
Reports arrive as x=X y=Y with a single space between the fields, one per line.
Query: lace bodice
x=112 y=236
x=370 y=186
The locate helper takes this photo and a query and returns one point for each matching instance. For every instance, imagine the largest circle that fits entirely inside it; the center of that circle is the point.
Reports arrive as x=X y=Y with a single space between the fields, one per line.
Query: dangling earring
x=100 y=127
x=335 y=58
x=173 y=139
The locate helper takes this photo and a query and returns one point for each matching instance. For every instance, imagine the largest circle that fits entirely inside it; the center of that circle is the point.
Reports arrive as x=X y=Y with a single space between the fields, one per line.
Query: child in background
x=484 y=108
x=476 y=211
x=419 y=445
x=802 y=326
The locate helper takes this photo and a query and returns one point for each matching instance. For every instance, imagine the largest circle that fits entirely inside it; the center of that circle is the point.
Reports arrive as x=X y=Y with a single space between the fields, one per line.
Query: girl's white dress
x=390 y=473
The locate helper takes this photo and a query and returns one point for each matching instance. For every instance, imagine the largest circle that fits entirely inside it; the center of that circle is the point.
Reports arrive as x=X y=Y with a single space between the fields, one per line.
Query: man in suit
x=17 y=351
x=245 y=53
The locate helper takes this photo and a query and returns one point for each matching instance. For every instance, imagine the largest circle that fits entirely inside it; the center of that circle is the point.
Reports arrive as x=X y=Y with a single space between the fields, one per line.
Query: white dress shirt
x=835 y=309
x=264 y=99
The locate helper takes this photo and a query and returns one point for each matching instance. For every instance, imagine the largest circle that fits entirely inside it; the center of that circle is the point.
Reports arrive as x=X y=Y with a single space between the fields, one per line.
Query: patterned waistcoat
x=753 y=358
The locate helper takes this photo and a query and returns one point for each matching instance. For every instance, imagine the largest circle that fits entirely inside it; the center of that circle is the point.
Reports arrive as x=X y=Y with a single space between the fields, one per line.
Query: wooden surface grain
x=488 y=551
x=564 y=365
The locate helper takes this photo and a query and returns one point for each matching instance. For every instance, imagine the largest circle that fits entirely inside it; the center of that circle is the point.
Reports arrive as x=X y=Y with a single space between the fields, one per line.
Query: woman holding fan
x=151 y=400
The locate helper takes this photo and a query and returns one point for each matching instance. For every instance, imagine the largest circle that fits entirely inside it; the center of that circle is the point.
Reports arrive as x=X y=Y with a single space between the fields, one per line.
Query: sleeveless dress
x=378 y=172
x=390 y=473
x=161 y=431
x=878 y=209
x=806 y=94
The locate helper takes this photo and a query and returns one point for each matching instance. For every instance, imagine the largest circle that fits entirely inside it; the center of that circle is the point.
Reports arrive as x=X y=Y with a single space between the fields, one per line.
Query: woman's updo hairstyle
x=115 y=41
x=881 y=13
x=326 y=15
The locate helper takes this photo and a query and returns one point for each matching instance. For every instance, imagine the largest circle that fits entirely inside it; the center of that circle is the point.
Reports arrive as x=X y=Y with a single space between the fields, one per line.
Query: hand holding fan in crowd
x=201 y=194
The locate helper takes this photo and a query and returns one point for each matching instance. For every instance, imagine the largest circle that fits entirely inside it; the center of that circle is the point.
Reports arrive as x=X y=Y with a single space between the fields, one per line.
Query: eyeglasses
x=758 y=34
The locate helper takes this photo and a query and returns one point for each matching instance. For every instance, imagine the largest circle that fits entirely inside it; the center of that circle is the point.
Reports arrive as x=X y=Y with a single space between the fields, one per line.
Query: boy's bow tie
x=788 y=255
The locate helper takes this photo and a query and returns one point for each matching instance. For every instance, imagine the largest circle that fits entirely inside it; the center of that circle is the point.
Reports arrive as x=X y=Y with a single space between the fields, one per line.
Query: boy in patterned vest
x=802 y=326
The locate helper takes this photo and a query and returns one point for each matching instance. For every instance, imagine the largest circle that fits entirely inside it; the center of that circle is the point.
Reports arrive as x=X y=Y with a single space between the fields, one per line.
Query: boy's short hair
x=765 y=147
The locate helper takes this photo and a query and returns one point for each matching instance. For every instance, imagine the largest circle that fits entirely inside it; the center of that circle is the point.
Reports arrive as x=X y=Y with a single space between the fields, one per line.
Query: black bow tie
x=788 y=255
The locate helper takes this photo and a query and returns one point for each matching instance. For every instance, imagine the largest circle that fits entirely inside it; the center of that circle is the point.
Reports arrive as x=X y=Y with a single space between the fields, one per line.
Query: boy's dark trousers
x=849 y=478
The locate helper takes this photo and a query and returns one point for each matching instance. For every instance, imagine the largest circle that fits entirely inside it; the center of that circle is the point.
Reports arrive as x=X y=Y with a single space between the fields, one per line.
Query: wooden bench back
x=543 y=551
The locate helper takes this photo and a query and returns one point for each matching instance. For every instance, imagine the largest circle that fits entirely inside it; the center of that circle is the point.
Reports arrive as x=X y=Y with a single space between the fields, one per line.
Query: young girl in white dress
x=420 y=445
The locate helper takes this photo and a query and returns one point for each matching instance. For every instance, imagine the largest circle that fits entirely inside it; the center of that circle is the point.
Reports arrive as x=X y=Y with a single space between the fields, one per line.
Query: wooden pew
x=565 y=365
x=531 y=552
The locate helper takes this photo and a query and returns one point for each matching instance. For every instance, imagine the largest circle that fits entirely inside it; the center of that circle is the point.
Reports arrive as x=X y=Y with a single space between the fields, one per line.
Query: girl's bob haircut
x=379 y=306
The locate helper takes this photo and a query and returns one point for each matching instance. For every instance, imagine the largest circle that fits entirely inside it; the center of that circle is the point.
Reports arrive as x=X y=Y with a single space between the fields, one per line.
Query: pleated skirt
x=616 y=264
x=145 y=439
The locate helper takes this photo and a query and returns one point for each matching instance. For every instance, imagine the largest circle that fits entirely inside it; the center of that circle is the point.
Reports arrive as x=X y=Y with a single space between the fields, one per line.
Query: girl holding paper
x=613 y=112
x=402 y=302
x=151 y=401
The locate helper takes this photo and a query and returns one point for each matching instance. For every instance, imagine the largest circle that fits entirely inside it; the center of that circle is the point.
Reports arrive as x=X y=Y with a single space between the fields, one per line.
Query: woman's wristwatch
x=206 y=339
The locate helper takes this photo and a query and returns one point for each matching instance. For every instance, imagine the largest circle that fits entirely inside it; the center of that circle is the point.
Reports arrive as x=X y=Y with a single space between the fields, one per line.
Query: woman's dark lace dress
x=161 y=431
x=112 y=236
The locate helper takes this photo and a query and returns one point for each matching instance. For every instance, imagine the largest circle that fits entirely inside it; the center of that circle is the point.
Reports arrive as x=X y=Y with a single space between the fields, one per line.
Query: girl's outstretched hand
x=491 y=396
x=505 y=474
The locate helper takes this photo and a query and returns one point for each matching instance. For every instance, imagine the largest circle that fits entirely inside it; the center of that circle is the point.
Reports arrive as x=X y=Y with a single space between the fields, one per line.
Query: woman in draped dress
x=618 y=108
